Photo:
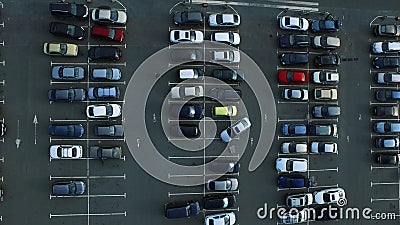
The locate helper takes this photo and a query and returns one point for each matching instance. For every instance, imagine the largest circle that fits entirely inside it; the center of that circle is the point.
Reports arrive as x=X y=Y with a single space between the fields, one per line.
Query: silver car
x=228 y=184
x=67 y=73
x=106 y=74
x=224 y=20
x=236 y=129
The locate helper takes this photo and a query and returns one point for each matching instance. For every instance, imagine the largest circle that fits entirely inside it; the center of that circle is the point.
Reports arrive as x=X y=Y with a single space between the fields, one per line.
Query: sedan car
x=229 y=37
x=329 y=196
x=299 y=200
x=328 y=94
x=190 y=73
x=386 y=127
x=185 y=36
x=96 y=93
x=326 y=42
x=73 y=130
x=227 y=184
x=107 y=15
x=220 y=202
x=387 y=142
x=295 y=94
x=188 y=111
x=66 y=151
x=109 y=130
x=225 y=94
x=294 y=58
x=293 y=76
x=326 y=25
x=386 y=62
x=324 y=130
x=226 y=56
x=229 y=110
x=294 y=129
x=293 y=23
x=387 y=158
x=386 y=47
x=325 y=77
x=68 y=95
x=291 y=165
x=385 y=95
x=296 y=181
x=103 y=111
x=224 y=20
x=67 y=72
x=67 y=30
x=388 y=78
x=188 y=131
x=294 y=147
x=326 y=111
x=188 y=18
x=105 y=152
x=327 y=60
x=68 y=188
x=112 y=74
x=323 y=147
x=227 y=218
x=386 y=110
x=294 y=40
x=228 y=74
x=68 y=9
x=391 y=30
x=104 y=53
x=114 y=34
x=235 y=130
x=187 y=92
x=60 y=49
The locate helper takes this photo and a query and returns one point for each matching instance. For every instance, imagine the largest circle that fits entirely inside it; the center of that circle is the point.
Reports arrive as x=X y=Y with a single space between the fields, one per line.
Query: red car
x=288 y=76
x=111 y=33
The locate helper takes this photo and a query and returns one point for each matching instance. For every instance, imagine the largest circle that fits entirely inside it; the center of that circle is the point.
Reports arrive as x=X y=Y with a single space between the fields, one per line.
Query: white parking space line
x=88 y=196
x=292 y=154
x=198 y=139
x=292 y=85
x=323 y=170
x=215 y=120
x=3 y=62
x=218 y=210
x=79 y=120
x=279 y=51
x=384 y=87
x=381 y=135
x=323 y=119
x=314 y=187
x=385 y=119
x=3 y=82
x=202 y=157
x=383 y=167
x=291 y=120
x=292 y=137
x=89 y=177
x=112 y=45
x=384 y=183
x=86 y=139
x=300 y=5
x=201 y=102
x=199 y=83
x=384 y=150
x=201 y=193
x=382 y=103
x=90 y=63
x=304 y=69
x=287 y=102
x=86 y=214
x=383 y=199
x=89 y=82
x=200 y=175
x=85 y=158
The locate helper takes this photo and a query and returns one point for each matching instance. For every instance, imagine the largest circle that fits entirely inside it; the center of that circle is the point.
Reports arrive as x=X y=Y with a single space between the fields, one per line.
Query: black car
x=384 y=95
x=175 y=210
x=68 y=188
x=327 y=60
x=104 y=53
x=111 y=130
x=188 y=111
x=220 y=202
x=70 y=95
x=189 y=131
x=326 y=25
x=386 y=62
x=296 y=181
x=188 y=18
x=294 y=58
x=387 y=158
x=68 y=9
x=228 y=74
x=326 y=111
x=294 y=40
x=391 y=30
x=96 y=93
x=386 y=110
x=68 y=30
x=105 y=152
x=73 y=130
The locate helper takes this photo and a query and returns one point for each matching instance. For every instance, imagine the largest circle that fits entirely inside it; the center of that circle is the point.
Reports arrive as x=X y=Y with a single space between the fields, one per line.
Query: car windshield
x=289 y=165
x=73 y=9
x=191 y=111
x=385 y=46
x=218 y=18
x=326 y=197
x=111 y=33
x=70 y=130
x=74 y=152
x=192 y=35
x=289 y=76
x=71 y=94
x=228 y=184
x=59 y=151
x=76 y=72
x=226 y=220
x=389 y=29
x=63 y=48
x=114 y=15
x=71 y=30
x=72 y=188
x=109 y=110
x=109 y=73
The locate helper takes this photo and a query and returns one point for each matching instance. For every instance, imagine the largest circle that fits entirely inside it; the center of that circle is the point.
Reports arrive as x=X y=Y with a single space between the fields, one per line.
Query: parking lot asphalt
x=120 y=191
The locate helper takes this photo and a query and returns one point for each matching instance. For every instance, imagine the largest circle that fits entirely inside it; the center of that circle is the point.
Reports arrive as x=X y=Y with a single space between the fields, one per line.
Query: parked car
x=387 y=158
x=327 y=60
x=295 y=94
x=391 y=30
x=60 y=49
x=294 y=58
x=329 y=196
x=3 y=129
x=293 y=217
x=109 y=130
x=112 y=74
x=190 y=73
x=100 y=152
x=386 y=62
x=224 y=20
x=188 y=131
x=188 y=111
x=187 y=92
x=104 y=53
x=107 y=15
x=325 y=77
x=109 y=33
x=294 y=147
x=220 y=202
x=387 y=142
x=67 y=30
x=384 y=95
x=68 y=188
x=67 y=95
x=294 y=40
x=96 y=93
x=188 y=209
x=73 y=130
x=228 y=74
x=188 y=18
x=294 y=129
x=386 y=47
x=293 y=76
x=324 y=130
x=326 y=111
x=296 y=181
x=386 y=110
x=67 y=72
x=229 y=110
x=224 y=184
x=66 y=151
x=386 y=127
x=388 y=78
x=68 y=9
x=293 y=23
x=227 y=218
x=235 y=130
x=323 y=147
x=325 y=94
x=299 y=200
x=326 y=25
x=222 y=94
x=291 y=165
x=229 y=37
x=185 y=36
x=103 y=111
x=326 y=42
x=226 y=56
x=224 y=166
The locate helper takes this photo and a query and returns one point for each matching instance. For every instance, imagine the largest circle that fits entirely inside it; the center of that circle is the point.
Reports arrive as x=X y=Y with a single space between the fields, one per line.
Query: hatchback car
x=96 y=93
x=225 y=94
x=228 y=74
x=325 y=94
x=225 y=184
x=67 y=30
x=327 y=60
x=103 y=111
x=220 y=202
x=296 y=181
x=294 y=147
x=295 y=94
x=386 y=47
x=386 y=110
x=187 y=92
x=226 y=56
x=291 y=165
x=227 y=218
x=67 y=72
x=185 y=36
x=294 y=129
x=224 y=20
x=109 y=130
x=68 y=95
x=188 y=131
x=387 y=158
x=386 y=62
x=387 y=142
x=294 y=40
x=385 y=95
x=326 y=42
x=235 y=130
x=109 y=33
x=99 y=152
x=73 y=130
x=107 y=15
x=112 y=74
x=229 y=110
x=324 y=130
x=104 y=53
x=326 y=111
x=68 y=9
x=68 y=188
x=293 y=23
x=294 y=58
x=330 y=196
x=188 y=18
x=293 y=76
x=188 y=111
x=299 y=200
x=60 y=49
x=388 y=78
x=66 y=151
x=229 y=37
x=326 y=25
x=391 y=30
x=325 y=77
x=190 y=73
x=387 y=127
x=323 y=147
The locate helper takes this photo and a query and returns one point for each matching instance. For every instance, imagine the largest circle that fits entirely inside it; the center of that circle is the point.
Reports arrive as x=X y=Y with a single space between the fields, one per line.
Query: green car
x=229 y=110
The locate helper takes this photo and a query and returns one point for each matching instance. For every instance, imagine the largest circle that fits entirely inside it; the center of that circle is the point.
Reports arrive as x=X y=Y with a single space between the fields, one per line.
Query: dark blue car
x=296 y=181
x=73 y=130
x=294 y=129
x=188 y=111
x=68 y=188
x=326 y=25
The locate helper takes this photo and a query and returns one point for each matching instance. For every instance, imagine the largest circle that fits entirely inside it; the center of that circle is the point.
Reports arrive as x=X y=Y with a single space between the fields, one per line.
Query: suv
x=188 y=18
x=109 y=33
x=189 y=209
x=324 y=130
x=289 y=165
x=325 y=94
x=326 y=111
x=391 y=30
x=111 y=130
x=104 y=53
x=235 y=130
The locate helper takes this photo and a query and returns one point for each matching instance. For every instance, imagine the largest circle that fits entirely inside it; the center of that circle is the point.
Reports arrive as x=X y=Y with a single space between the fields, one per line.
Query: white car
x=330 y=196
x=190 y=73
x=227 y=56
x=295 y=94
x=228 y=184
x=325 y=77
x=66 y=151
x=186 y=36
x=103 y=111
x=106 y=15
x=323 y=147
x=229 y=37
x=224 y=20
x=187 y=92
x=294 y=147
x=386 y=47
x=387 y=78
x=221 y=219
x=293 y=23
x=299 y=200
x=291 y=165
x=236 y=129
x=293 y=217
